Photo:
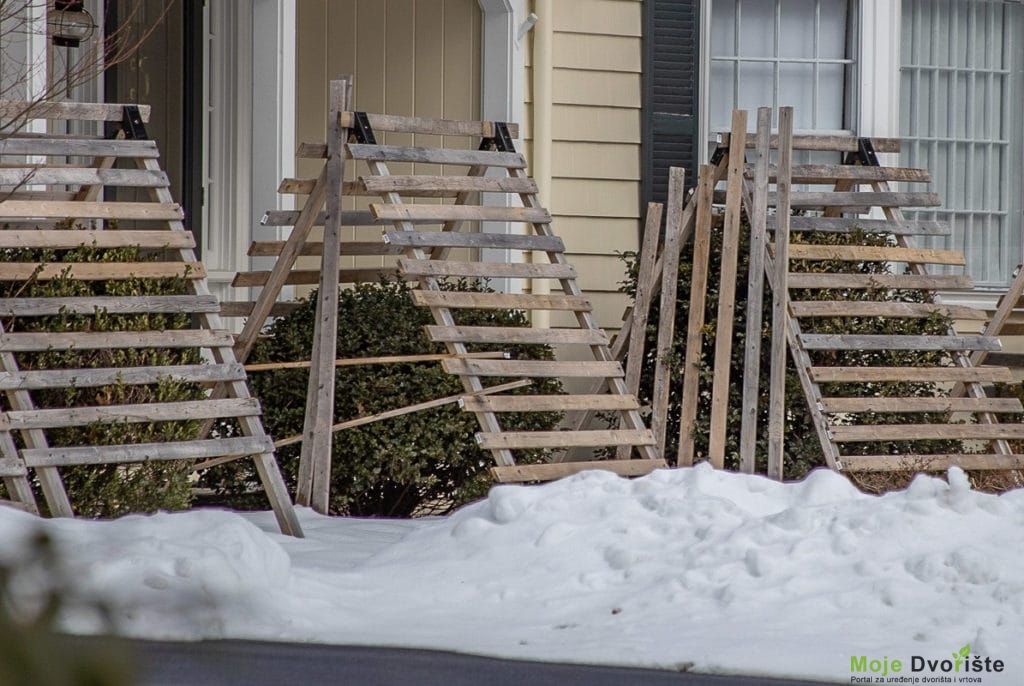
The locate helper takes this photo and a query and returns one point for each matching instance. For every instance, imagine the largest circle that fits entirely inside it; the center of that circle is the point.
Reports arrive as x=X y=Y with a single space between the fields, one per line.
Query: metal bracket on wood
x=500 y=141
x=866 y=152
x=131 y=124
x=362 y=130
x=717 y=155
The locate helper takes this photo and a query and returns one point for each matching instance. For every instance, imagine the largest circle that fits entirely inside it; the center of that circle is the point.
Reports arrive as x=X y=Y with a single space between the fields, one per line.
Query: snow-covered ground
x=682 y=569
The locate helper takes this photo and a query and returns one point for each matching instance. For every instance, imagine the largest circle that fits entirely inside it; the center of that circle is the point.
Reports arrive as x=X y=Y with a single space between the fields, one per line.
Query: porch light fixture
x=69 y=23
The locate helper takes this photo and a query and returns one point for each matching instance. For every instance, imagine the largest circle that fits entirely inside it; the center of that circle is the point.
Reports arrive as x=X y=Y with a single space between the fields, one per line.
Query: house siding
x=597 y=99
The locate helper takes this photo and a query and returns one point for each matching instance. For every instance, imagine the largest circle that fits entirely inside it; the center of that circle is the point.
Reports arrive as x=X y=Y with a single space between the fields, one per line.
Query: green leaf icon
x=965 y=651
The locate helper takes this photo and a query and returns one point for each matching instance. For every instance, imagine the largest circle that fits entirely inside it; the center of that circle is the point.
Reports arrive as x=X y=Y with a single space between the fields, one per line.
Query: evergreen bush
x=421 y=463
x=802 y=448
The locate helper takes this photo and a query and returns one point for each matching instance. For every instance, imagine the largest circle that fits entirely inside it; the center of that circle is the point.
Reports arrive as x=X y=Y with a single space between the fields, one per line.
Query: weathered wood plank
x=533 y=368
x=460 y=213
x=934 y=463
x=827 y=143
x=448 y=239
x=642 y=302
x=308 y=277
x=832 y=173
x=514 y=440
x=238 y=308
x=107 y=340
x=512 y=301
x=82 y=176
x=428 y=125
x=471 y=158
x=916 y=227
x=558 y=470
x=348 y=248
x=144 y=452
x=89 y=111
x=882 y=308
x=348 y=218
x=101 y=271
x=548 y=403
x=103 y=238
x=821 y=199
x=39 y=196
x=71 y=147
x=873 y=253
x=487 y=184
x=129 y=414
x=922 y=374
x=129 y=376
x=857 y=405
x=910 y=432
x=45 y=307
x=516 y=335
x=828 y=341
x=12 y=466
x=525 y=270
x=949 y=282
x=154 y=211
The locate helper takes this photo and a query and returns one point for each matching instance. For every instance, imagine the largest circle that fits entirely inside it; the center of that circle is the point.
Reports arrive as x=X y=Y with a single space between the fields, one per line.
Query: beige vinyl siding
x=407 y=57
x=595 y=154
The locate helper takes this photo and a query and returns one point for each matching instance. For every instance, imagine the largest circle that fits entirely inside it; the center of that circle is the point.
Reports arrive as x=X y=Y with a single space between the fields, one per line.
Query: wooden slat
x=348 y=218
x=449 y=239
x=828 y=341
x=512 y=301
x=471 y=158
x=882 y=308
x=82 y=176
x=872 y=253
x=101 y=271
x=107 y=340
x=516 y=335
x=845 y=224
x=439 y=127
x=909 y=432
x=88 y=111
x=105 y=238
x=558 y=470
x=950 y=282
x=144 y=452
x=244 y=309
x=525 y=270
x=129 y=376
x=856 y=405
x=515 y=440
x=548 y=403
x=488 y=184
x=154 y=211
x=12 y=466
x=911 y=374
x=39 y=196
x=129 y=414
x=936 y=463
x=44 y=307
x=828 y=143
x=551 y=471
x=532 y=368
x=348 y=248
x=308 y=277
x=831 y=173
x=822 y=199
x=459 y=213
x=140 y=149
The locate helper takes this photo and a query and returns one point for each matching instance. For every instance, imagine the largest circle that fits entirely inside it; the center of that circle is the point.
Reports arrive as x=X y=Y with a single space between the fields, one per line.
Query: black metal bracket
x=717 y=155
x=500 y=141
x=131 y=123
x=866 y=152
x=361 y=129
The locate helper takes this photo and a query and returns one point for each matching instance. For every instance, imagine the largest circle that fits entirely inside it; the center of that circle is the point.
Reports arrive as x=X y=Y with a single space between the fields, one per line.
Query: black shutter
x=671 y=66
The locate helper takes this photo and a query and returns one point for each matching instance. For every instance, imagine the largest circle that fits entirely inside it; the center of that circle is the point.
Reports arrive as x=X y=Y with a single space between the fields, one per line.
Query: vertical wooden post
x=315 y=460
x=755 y=294
x=695 y=327
x=780 y=298
x=642 y=307
x=667 y=304
x=727 y=290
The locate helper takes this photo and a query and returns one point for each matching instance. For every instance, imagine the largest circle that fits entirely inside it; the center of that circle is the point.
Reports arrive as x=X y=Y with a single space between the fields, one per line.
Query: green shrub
x=802 y=448
x=109 y=490
x=424 y=462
